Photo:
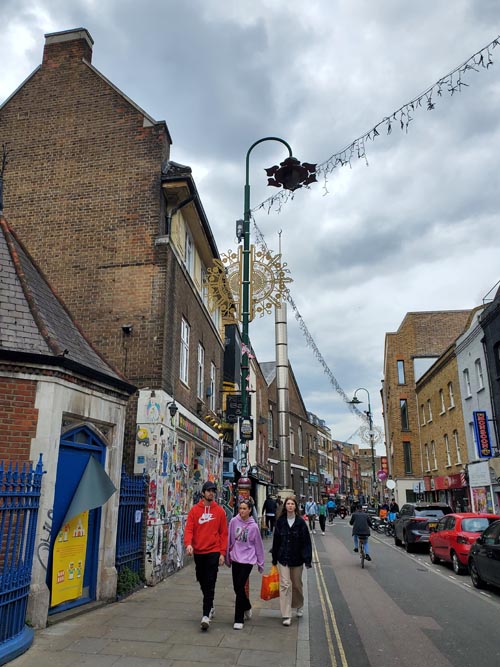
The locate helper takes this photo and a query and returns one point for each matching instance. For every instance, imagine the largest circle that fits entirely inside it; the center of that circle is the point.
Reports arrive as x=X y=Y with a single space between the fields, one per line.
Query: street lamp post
x=290 y=175
x=355 y=401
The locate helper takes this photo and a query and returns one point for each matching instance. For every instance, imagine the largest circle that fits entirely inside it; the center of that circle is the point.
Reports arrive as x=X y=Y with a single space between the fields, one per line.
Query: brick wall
x=18 y=418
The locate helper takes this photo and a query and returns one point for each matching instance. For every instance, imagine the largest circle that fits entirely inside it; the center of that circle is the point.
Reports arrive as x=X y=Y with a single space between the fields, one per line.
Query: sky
x=417 y=229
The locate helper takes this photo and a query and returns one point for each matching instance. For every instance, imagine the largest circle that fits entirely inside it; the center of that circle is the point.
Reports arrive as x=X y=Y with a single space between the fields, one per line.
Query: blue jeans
x=356 y=542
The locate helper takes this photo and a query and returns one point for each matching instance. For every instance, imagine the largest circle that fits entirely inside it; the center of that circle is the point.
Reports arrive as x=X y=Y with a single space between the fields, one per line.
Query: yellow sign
x=68 y=560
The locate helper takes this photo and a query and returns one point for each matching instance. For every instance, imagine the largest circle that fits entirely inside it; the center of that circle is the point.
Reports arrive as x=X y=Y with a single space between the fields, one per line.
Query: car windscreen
x=430 y=513
x=475 y=525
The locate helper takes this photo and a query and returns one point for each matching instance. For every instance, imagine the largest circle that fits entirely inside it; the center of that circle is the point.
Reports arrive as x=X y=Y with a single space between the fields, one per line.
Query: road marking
x=326 y=602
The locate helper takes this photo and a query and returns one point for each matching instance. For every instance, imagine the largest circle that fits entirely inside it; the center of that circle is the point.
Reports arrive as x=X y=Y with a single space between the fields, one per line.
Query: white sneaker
x=205 y=623
x=248 y=614
x=314 y=532
x=322 y=533
x=238 y=626
x=212 y=613
x=300 y=611
x=287 y=621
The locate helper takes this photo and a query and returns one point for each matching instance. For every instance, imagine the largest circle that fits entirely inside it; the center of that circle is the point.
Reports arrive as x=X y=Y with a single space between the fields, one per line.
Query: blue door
x=75 y=449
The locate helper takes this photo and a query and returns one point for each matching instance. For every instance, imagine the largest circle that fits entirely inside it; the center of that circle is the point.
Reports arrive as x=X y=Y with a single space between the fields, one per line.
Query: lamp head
x=172 y=408
x=355 y=400
x=291 y=174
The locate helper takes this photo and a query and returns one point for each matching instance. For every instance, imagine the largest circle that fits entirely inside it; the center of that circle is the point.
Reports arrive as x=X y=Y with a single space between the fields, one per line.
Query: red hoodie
x=206 y=529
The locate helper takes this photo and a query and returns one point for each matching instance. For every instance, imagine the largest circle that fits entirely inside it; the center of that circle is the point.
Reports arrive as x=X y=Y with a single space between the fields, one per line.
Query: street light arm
x=256 y=143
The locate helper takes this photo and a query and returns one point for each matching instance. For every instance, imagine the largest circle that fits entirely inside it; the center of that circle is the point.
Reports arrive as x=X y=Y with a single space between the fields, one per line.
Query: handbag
x=270 y=587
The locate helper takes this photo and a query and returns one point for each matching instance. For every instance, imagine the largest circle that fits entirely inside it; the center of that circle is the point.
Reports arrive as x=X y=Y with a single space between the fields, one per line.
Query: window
x=457 y=448
x=468 y=392
x=441 y=398
x=447 y=450
x=427 y=461
x=204 y=285
x=300 y=441
x=292 y=441
x=401 y=372
x=433 y=452
x=407 y=458
x=450 y=393
x=423 y=414
x=270 y=429
x=213 y=385
x=479 y=374
x=189 y=253
x=429 y=409
x=184 y=368
x=403 y=406
x=200 y=381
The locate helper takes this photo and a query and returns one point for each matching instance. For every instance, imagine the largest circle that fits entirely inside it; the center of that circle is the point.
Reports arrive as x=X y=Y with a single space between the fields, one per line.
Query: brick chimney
x=63 y=47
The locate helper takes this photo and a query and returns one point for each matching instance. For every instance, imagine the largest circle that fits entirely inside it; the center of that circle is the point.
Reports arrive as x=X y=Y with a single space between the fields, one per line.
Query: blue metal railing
x=20 y=488
x=129 y=535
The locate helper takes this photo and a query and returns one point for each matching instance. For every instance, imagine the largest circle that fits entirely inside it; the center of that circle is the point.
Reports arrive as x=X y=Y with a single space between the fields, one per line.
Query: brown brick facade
x=18 y=418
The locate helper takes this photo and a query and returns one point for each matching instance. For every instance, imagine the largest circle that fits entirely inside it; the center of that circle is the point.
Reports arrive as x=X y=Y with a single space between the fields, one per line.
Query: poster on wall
x=68 y=564
x=482 y=500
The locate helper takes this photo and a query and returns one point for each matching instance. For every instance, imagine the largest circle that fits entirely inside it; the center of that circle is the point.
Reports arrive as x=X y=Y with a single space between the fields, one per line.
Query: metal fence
x=129 y=536
x=20 y=487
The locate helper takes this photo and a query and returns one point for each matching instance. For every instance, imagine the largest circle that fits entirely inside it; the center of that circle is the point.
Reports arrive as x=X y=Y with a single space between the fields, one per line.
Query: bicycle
x=362 y=555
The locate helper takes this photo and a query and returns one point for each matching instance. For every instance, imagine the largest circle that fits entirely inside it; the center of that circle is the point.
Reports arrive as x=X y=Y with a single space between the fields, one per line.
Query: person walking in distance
x=322 y=512
x=244 y=550
x=205 y=537
x=291 y=550
x=270 y=508
x=311 y=510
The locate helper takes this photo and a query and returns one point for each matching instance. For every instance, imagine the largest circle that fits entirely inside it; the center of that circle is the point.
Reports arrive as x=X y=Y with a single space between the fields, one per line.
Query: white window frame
x=189 y=252
x=204 y=285
x=468 y=391
x=300 y=441
x=441 y=398
x=423 y=414
x=479 y=374
x=292 y=441
x=433 y=452
x=450 y=394
x=184 y=360
x=457 y=448
x=447 y=450
x=213 y=385
x=427 y=459
x=429 y=409
x=200 y=380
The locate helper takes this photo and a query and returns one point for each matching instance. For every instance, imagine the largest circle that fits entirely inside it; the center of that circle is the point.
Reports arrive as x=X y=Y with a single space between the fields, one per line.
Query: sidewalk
x=160 y=627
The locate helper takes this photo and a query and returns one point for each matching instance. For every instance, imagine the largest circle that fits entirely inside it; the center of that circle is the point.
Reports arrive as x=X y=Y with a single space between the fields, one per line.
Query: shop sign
x=454 y=481
x=482 y=431
x=246 y=428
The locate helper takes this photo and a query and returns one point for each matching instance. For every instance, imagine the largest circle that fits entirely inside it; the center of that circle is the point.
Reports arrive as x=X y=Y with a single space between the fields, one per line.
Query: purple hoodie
x=245 y=543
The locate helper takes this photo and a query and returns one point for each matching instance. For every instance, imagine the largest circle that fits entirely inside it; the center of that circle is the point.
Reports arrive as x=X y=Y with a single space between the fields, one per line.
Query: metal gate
x=19 y=501
x=129 y=536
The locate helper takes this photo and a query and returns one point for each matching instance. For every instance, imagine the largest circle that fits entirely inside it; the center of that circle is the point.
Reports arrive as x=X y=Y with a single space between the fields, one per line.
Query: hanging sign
x=482 y=431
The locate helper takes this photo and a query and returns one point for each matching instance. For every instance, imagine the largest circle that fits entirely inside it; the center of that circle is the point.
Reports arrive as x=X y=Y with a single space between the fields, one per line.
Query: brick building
x=61 y=400
x=121 y=233
x=409 y=352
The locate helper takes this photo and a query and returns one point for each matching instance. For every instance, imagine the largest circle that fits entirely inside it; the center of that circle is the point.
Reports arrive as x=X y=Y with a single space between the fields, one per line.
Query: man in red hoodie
x=205 y=536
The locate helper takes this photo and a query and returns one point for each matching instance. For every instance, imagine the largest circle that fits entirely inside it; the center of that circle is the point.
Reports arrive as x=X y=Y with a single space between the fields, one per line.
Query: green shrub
x=128 y=581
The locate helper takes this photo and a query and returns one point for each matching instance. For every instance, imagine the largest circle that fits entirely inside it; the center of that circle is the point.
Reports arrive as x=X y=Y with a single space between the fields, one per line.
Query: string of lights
x=450 y=83
x=310 y=340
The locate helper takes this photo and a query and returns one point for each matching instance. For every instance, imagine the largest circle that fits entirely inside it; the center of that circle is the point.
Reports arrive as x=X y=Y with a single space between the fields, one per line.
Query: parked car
x=454 y=535
x=412 y=526
x=484 y=557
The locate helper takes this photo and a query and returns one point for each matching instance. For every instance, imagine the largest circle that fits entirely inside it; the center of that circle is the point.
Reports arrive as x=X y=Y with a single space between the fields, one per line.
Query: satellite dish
x=390 y=484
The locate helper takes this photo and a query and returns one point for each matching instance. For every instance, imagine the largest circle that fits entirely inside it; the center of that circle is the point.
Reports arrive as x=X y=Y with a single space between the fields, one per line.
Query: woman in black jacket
x=291 y=550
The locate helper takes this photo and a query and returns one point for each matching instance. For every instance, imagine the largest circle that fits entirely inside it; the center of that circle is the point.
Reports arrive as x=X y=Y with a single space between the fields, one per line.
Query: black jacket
x=291 y=546
x=360 y=522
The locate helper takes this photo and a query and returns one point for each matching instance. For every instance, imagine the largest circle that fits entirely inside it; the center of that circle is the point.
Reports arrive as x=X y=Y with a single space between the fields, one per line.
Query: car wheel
x=474 y=575
x=458 y=568
x=434 y=559
x=409 y=546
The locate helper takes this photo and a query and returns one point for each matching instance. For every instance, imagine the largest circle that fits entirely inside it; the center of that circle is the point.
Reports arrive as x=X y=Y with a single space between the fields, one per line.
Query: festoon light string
x=450 y=83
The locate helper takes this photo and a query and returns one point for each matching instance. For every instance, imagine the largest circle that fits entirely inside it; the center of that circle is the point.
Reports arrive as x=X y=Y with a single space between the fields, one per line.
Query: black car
x=484 y=557
x=414 y=522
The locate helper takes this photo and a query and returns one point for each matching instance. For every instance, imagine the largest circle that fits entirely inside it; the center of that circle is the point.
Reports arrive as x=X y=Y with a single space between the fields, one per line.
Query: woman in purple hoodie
x=244 y=550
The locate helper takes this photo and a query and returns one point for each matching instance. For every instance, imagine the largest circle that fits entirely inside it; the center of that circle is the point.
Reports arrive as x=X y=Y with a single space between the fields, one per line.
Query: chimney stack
x=62 y=47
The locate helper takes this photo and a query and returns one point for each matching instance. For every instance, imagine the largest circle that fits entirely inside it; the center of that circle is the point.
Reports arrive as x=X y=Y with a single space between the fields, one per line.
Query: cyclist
x=361 y=523
x=331 y=506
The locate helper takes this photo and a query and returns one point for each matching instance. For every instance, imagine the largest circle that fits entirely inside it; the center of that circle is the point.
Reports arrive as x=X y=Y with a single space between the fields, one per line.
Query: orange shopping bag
x=270 y=587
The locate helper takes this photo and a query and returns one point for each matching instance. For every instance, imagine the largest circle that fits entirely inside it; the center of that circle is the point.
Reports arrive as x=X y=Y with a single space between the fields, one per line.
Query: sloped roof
x=33 y=321
x=268 y=369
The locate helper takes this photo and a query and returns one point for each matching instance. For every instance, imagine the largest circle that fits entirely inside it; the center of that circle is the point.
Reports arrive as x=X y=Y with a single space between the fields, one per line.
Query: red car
x=454 y=535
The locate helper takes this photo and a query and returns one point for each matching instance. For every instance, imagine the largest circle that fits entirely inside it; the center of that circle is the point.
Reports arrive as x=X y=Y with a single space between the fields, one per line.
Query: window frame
x=200 y=379
x=457 y=448
x=407 y=458
x=213 y=386
x=466 y=376
x=401 y=371
x=184 y=351
x=403 y=403
x=479 y=374
x=451 y=395
x=447 y=450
